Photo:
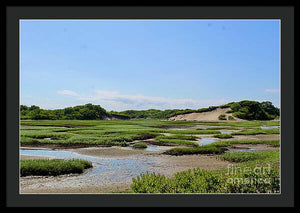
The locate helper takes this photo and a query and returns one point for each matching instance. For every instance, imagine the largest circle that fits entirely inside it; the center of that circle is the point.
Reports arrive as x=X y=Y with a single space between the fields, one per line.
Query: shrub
x=222 y=117
x=254 y=182
x=253 y=110
x=231 y=118
x=202 y=181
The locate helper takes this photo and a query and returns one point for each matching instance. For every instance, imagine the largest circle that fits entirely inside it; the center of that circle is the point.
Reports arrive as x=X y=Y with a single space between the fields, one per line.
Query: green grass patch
x=222 y=117
x=140 y=145
x=207 y=149
x=218 y=147
x=257 y=132
x=239 y=157
x=52 y=167
x=24 y=140
x=274 y=143
x=223 y=136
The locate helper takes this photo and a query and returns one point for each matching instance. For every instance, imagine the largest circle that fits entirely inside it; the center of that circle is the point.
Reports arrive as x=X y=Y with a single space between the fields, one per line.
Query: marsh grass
x=24 y=140
x=223 y=136
x=52 y=167
x=218 y=147
x=238 y=157
x=274 y=143
x=257 y=132
x=140 y=145
x=207 y=149
x=118 y=135
x=122 y=132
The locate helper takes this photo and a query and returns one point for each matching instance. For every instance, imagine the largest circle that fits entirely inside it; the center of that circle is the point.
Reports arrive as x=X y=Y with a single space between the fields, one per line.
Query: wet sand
x=30 y=157
x=255 y=137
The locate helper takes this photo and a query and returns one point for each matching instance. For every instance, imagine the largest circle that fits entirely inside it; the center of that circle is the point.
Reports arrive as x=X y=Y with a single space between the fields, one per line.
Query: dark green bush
x=253 y=110
x=222 y=117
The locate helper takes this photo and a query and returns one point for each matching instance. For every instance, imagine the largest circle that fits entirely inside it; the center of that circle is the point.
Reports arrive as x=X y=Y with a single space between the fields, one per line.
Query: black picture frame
x=10 y=151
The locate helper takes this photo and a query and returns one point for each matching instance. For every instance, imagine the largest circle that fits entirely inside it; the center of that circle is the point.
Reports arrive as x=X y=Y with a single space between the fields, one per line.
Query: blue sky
x=160 y=64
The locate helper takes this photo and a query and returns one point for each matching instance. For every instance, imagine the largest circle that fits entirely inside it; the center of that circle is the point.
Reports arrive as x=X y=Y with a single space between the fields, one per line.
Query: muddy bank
x=255 y=137
x=31 y=157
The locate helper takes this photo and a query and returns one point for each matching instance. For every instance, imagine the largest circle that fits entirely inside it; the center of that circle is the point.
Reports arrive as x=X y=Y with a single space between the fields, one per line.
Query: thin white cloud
x=272 y=90
x=68 y=92
x=113 y=100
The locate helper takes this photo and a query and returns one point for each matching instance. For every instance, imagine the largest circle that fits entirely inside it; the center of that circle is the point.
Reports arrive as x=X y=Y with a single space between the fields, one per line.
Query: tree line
x=248 y=110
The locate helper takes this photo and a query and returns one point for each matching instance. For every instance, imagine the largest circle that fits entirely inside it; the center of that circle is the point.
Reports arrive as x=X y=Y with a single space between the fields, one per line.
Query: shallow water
x=269 y=127
x=56 y=153
x=226 y=132
x=206 y=141
x=243 y=150
x=151 y=148
x=112 y=170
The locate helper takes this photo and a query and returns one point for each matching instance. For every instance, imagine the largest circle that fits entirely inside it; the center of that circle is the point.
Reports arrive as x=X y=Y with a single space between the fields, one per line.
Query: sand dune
x=203 y=116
